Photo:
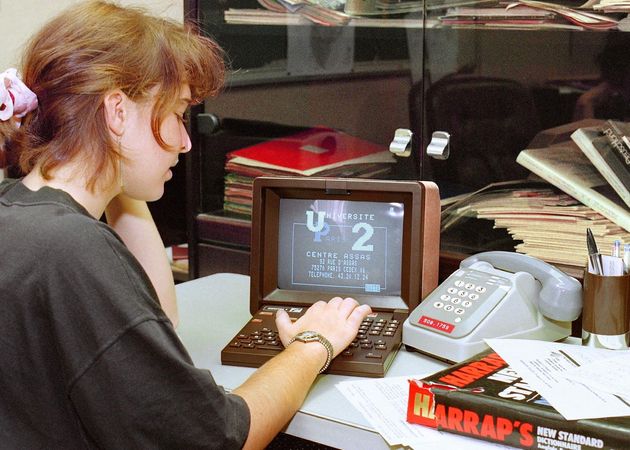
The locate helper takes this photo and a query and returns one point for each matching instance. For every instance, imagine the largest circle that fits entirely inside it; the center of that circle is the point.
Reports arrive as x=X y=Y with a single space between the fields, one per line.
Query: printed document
x=383 y=402
x=544 y=366
x=606 y=375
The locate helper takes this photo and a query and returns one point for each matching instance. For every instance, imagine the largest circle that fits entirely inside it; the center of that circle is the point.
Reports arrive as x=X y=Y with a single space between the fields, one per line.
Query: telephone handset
x=493 y=294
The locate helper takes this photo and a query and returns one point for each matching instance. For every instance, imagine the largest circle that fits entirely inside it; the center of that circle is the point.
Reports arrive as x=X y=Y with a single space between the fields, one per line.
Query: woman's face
x=147 y=166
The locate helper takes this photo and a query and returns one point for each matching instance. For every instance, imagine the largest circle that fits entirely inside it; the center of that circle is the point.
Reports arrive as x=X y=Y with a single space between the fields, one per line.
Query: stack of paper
x=582 y=18
x=262 y=17
x=551 y=225
x=329 y=12
x=613 y=6
x=579 y=382
x=488 y=16
x=383 y=403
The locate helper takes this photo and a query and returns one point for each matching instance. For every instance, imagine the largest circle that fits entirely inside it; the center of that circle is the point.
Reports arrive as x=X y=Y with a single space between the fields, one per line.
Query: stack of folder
x=317 y=151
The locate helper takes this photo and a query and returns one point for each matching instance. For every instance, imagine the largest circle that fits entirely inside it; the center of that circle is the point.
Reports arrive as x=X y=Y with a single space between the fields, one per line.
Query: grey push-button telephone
x=493 y=294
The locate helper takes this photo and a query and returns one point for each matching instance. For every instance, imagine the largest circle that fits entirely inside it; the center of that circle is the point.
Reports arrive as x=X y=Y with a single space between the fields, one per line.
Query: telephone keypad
x=461 y=302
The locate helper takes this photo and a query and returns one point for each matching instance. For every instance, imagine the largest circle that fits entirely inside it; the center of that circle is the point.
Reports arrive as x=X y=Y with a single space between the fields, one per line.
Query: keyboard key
x=269 y=347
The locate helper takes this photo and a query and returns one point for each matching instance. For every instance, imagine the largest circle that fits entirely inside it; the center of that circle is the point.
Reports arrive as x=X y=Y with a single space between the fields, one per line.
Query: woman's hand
x=338 y=320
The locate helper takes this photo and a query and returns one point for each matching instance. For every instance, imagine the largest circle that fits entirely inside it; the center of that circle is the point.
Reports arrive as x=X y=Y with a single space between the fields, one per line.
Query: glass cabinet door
x=475 y=86
x=498 y=88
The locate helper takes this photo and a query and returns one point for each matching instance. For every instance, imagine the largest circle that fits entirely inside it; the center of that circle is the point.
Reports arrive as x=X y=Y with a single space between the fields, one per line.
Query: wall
x=21 y=18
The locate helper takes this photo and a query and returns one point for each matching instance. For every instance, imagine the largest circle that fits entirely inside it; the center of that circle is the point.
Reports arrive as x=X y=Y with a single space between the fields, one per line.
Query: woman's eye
x=183 y=118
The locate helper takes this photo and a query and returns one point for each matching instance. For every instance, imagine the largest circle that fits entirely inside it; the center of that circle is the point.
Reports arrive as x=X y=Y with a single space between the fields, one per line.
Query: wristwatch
x=313 y=336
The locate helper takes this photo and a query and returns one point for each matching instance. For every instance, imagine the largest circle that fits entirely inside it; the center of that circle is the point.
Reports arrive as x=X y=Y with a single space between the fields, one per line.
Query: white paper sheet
x=543 y=366
x=607 y=375
x=383 y=402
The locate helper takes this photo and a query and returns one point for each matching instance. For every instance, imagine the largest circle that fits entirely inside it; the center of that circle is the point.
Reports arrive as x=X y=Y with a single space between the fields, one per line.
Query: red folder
x=311 y=151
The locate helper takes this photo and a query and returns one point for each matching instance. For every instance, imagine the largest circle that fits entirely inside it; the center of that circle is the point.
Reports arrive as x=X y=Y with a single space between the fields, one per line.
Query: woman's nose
x=186 y=140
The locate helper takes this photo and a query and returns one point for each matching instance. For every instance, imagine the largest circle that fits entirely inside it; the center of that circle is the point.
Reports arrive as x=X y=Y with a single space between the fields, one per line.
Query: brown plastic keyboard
x=370 y=354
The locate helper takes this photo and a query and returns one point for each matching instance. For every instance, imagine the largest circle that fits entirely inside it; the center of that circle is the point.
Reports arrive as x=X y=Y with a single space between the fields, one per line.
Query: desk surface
x=213 y=309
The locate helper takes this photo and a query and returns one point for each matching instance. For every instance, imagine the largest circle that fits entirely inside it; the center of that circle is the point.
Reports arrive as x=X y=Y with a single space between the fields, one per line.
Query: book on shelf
x=565 y=166
x=485 y=399
x=606 y=148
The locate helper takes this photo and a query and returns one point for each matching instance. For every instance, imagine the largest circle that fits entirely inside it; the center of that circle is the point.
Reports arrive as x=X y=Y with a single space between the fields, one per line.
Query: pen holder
x=606 y=311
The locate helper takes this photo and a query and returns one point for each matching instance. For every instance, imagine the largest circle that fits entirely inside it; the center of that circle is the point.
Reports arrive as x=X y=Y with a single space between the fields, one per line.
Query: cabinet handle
x=401 y=145
x=439 y=147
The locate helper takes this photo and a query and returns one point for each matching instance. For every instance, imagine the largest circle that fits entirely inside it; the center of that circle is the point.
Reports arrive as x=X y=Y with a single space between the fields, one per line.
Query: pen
x=593 y=253
x=616 y=248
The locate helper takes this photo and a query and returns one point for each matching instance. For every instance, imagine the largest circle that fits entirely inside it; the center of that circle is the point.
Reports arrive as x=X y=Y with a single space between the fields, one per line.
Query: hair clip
x=15 y=98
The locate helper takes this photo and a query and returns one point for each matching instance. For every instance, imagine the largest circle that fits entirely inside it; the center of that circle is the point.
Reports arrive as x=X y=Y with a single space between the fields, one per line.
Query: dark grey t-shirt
x=87 y=356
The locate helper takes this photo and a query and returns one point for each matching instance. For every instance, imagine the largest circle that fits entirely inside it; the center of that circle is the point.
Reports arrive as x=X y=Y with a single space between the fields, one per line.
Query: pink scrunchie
x=15 y=98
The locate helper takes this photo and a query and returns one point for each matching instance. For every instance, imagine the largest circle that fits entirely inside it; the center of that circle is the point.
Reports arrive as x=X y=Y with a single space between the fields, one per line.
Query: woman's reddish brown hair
x=90 y=50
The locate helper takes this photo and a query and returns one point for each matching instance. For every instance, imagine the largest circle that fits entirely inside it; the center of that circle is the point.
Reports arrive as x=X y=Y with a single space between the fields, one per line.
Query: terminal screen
x=339 y=246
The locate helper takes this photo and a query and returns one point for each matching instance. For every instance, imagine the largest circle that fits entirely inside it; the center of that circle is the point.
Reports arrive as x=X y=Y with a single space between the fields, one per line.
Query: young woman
x=89 y=356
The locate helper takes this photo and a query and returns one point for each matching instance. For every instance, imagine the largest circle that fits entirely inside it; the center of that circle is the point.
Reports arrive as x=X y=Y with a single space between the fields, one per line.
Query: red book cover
x=484 y=398
x=311 y=151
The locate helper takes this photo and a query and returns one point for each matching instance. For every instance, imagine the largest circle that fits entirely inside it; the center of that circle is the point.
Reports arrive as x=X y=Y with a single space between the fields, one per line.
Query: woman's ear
x=115 y=106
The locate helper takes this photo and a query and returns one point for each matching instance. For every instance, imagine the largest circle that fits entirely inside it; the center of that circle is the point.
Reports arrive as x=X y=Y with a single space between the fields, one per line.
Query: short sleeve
x=143 y=392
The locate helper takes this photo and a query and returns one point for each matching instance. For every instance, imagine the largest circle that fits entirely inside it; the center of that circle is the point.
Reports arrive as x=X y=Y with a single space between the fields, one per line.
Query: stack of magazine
x=612 y=6
x=544 y=222
x=319 y=151
x=590 y=161
x=592 y=166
